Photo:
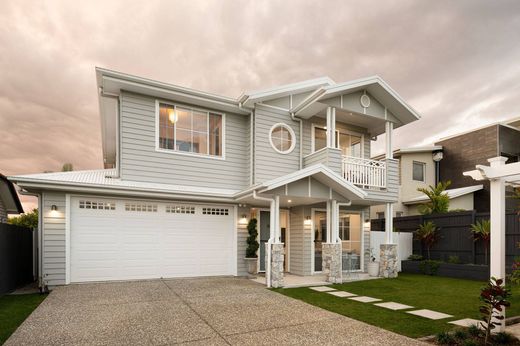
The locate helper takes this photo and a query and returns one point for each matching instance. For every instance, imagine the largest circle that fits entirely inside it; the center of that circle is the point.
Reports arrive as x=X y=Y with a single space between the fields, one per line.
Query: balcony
x=364 y=172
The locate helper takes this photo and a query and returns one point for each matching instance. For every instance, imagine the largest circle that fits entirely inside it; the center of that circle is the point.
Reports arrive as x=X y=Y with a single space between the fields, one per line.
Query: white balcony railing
x=364 y=172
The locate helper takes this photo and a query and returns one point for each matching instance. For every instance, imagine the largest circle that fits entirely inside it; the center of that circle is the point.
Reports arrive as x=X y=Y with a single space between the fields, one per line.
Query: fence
x=455 y=235
x=404 y=245
x=16 y=257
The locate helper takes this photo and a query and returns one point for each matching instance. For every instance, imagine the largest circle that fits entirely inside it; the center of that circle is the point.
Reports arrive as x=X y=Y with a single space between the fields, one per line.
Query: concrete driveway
x=209 y=311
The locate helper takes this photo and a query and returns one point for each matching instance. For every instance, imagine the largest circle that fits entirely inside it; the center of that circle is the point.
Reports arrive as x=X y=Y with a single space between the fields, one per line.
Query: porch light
x=54 y=210
x=289 y=201
x=243 y=219
x=307 y=221
x=172 y=115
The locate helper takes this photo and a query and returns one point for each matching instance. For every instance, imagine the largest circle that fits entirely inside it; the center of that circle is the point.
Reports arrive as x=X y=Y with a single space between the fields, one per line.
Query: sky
x=455 y=62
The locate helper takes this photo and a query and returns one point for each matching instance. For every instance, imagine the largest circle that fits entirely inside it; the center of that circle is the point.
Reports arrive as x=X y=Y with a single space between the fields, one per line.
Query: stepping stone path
x=432 y=315
x=365 y=299
x=322 y=289
x=394 y=306
x=342 y=294
x=467 y=322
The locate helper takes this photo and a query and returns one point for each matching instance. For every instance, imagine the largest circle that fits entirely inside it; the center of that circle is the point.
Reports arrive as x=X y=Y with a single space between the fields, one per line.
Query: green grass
x=14 y=309
x=456 y=297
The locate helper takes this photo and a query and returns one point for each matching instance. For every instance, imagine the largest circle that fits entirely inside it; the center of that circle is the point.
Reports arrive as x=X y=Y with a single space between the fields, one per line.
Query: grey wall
x=300 y=248
x=270 y=164
x=330 y=157
x=53 y=239
x=141 y=162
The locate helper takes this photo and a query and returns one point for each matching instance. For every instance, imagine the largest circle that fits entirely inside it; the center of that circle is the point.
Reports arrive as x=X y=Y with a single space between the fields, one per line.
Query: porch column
x=331 y=250
x=389 y=129
x=275 y=259
x=497 y=265
x=331 y=127
x=388 y=250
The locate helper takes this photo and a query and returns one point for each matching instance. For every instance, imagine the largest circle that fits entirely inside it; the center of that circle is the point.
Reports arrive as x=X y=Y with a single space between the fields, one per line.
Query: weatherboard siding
x=269 y=163
x=300 y=242
x=53 y=239
x=140 y=161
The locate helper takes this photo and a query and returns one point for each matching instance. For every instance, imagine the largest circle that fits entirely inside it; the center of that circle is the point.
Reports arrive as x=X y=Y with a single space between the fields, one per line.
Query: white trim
x=67 y=238
x=424 y=170
x=291 y=132
x=158 y=101
x=234 y=264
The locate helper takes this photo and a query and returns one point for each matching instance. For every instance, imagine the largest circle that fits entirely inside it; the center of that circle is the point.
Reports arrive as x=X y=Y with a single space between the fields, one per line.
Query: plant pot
x=252 y=265
x=373 y=269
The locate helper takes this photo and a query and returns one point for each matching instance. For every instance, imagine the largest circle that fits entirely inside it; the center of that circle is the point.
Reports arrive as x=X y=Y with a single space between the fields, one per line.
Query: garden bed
x=452 y=270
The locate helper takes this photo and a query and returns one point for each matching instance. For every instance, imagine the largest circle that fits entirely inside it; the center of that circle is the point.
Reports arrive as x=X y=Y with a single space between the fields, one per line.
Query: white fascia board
x=504 y=171
x=453 y=193
x=315 y=96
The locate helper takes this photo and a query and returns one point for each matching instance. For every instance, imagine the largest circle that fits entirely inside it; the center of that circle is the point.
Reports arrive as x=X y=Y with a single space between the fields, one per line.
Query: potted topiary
x=373 y=266
x=252 y=247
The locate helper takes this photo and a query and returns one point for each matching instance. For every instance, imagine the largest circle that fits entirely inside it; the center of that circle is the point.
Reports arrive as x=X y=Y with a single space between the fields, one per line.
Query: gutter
x=293 y=117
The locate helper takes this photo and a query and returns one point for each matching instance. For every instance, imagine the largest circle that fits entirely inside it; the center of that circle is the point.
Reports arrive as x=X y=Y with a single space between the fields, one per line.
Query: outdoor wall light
x=307 y=221
x=243 y=219
x=54 y=207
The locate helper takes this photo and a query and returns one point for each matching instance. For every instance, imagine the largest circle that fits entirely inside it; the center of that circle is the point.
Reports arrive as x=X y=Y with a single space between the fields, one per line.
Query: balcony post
x=389 y=133
x=331 y=127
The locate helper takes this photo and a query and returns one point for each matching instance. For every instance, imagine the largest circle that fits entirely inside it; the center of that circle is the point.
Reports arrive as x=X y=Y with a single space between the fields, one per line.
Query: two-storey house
x=186 y=170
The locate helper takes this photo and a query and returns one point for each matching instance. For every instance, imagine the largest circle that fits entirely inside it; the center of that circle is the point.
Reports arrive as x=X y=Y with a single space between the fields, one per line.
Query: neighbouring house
x=419 y=168
x=462 y=152
x=185 y=171
x=9 y=201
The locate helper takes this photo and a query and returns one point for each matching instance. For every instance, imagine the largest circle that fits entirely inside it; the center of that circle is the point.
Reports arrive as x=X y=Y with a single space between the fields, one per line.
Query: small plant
x=370 y=252
x=474 y=330
x=252 y=243
x=429 y=267
x=460 y=334
x=454 y=260
x=415 y=257
x=444 y=338
x=503 y=338
x=514 y=277
x=470 y=342
x=427 y=234
x=439 y=201
x=494 y=298
x=481 y=230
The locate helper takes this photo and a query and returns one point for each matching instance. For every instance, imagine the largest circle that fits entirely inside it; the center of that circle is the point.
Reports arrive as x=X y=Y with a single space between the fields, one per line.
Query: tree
x=439 y=201
x=67 y=167
x=29 y=220
x=427 y=234
x=481 y=230
x=252 y=243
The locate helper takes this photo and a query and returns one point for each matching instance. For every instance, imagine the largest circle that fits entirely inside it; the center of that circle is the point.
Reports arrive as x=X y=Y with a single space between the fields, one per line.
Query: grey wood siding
x=300 y=250
x=141 y=162
x=269 y=163
x=391 y=193
x=241 y=242
x=53 y=239
x=330 y=157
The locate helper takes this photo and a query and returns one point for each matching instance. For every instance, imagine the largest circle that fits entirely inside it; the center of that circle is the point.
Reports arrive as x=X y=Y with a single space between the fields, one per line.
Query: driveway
x=209 y=311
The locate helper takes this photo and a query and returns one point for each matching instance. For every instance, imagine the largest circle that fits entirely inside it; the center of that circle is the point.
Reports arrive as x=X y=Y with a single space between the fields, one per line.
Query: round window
x=282 y=138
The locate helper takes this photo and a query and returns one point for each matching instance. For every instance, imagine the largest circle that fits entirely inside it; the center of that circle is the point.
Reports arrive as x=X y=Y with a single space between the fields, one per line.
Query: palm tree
x=481 y=230
x=439 y=201
x=427 y=234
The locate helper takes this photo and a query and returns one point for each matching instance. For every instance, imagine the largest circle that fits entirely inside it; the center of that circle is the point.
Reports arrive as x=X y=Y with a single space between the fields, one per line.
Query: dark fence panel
x=16 y=257
x=455 y=235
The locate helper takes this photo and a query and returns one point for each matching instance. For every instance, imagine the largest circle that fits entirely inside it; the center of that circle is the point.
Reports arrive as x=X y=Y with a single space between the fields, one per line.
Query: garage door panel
x=120 y=244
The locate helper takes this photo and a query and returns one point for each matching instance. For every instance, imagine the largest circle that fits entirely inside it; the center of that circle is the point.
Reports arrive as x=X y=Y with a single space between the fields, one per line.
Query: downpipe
x=271 y=239
x=293 y=117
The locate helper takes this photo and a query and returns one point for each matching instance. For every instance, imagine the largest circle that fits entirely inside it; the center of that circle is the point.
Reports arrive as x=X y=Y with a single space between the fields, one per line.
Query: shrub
x=429 y=267
x=460 y=334
x=252 y=243
x=470 y=342
x=439 y=201
x=454 y=260
x=415 y=257
x=494 y=298
x=427 y=234
x=503 y=338
x=481 y=230
x=474 y=330
x=444 y=338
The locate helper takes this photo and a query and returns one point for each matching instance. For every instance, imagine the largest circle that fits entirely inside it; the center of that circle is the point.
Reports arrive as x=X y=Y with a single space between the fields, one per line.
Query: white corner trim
x=234 y=265
x=67 y=239
x=291 y=132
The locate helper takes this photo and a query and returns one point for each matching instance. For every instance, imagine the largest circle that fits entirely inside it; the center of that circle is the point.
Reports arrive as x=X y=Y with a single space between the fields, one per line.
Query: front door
x=320 y=236
x=265 y=225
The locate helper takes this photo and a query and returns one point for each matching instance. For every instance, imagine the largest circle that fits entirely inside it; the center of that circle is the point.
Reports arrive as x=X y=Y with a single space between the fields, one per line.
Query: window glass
x=418 y=171
x=320 y=138
x=190 y=130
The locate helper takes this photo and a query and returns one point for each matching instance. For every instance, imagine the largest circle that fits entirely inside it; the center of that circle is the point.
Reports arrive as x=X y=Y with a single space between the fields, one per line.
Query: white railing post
x=364 y=172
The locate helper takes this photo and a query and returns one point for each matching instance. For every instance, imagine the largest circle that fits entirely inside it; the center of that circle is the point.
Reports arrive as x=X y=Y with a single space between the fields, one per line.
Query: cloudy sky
x=456 y=62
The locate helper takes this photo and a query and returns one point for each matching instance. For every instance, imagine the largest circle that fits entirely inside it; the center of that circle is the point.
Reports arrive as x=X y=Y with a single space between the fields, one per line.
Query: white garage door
x=126 y=239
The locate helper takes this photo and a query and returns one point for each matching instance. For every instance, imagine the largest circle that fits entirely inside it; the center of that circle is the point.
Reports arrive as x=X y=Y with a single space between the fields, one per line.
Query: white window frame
x=338 y=131
x=293 y=138
x=184 y=153
x=424 y=171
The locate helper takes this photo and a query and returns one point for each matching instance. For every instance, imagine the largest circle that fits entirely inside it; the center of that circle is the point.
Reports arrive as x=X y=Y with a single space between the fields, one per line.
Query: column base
x=331 y=262
x=277 y=263
x=388 y=261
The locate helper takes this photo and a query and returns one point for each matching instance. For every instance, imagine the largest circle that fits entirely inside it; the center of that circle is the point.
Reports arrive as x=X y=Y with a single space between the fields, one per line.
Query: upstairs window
x=418 y=171
x=282 y=138
x=189 y=130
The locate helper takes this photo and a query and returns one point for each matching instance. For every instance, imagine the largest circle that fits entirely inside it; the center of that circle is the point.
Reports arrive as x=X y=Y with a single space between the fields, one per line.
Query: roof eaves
x=13 y=192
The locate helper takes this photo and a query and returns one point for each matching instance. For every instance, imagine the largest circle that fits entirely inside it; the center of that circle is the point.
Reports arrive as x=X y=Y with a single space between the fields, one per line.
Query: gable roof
x=9 y=196
x=452 y=193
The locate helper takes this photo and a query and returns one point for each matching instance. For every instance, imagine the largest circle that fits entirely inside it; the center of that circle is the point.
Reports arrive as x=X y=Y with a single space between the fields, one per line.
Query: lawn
x=14 y=309
x=456 y=297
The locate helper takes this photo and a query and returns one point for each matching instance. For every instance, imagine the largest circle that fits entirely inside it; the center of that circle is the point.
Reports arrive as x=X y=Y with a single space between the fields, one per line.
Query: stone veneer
x=277 y=262
x=332 y=264
x=388 y=261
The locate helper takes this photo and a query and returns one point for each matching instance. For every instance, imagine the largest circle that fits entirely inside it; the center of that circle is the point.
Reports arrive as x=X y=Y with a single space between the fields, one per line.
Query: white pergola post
x=497 y=267
x=389 y=213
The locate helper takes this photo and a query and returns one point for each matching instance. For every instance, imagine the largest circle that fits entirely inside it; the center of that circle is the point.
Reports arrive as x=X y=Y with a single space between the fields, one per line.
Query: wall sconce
x=367 y=223
x=54 y=210
x=307 y=221
x=243 y=219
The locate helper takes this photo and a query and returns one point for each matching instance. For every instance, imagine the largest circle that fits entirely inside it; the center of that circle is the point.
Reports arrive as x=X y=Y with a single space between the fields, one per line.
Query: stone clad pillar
x=388 y=261
x=331 y=262
x=277 y=264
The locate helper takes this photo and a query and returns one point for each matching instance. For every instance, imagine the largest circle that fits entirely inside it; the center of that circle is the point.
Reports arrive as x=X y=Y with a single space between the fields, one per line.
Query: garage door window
x=141 y=207
x=180 y=209
x=215 y=211
x=99 y=205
